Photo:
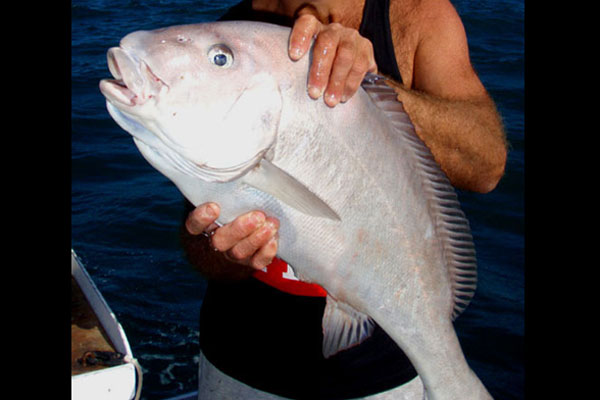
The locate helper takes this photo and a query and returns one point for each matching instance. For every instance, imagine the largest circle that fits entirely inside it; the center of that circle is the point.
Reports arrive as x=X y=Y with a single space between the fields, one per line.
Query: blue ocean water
x=126 y=216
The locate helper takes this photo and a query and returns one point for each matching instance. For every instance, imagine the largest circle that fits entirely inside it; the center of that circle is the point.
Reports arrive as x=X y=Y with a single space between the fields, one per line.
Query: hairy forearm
x=466 y=137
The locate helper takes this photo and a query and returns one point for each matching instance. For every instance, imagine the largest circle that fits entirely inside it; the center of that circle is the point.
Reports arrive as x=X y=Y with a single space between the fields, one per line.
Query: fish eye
x=220 y=55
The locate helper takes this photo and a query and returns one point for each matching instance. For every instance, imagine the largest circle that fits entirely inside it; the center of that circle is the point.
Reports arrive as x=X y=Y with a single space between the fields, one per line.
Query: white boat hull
x=111 y=383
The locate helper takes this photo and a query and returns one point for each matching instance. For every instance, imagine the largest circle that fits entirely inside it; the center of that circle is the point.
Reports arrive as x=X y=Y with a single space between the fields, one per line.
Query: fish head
x=198 y=98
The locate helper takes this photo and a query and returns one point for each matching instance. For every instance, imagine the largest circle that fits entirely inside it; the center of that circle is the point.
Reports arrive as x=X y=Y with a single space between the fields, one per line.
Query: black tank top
x=375 y=26
x=272 y=340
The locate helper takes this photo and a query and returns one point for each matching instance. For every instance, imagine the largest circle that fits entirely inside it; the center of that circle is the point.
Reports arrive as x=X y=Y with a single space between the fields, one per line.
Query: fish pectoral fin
x=271 y=179
x=343 y=327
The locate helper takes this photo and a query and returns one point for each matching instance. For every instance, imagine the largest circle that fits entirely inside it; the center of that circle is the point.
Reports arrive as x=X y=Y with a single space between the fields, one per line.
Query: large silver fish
x=365 y=211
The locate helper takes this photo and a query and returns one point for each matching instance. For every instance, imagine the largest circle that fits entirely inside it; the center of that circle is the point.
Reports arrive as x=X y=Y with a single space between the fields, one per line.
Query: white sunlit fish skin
x=364 y=210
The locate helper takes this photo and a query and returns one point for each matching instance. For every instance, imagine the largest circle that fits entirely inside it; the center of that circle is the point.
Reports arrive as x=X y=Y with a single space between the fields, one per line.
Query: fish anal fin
x=343 y=327
x=271 y=179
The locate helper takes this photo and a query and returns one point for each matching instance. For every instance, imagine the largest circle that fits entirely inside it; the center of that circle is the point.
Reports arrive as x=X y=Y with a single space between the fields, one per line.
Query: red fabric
x=278 y=275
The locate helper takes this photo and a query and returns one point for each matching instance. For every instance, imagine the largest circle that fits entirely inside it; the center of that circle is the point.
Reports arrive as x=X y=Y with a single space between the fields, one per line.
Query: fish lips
x=134 y=81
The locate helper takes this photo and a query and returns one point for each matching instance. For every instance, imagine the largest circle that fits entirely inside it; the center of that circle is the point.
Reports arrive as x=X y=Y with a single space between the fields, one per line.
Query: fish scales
x=365 y=211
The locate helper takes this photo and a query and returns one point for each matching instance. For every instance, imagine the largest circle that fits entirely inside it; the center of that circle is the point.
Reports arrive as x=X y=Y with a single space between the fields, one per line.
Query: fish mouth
x=134 y=81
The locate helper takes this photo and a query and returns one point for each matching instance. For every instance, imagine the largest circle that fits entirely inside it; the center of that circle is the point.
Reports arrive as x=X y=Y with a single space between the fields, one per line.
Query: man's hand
x=250 y=239
x=341 y=58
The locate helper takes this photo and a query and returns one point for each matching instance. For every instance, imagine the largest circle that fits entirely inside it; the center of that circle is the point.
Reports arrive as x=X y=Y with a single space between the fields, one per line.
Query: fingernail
x=257 y=218
x=210 y=211
x=295 y=49
x=269 y=228
x=331 y=99
x=314 y=92
x=295 y=52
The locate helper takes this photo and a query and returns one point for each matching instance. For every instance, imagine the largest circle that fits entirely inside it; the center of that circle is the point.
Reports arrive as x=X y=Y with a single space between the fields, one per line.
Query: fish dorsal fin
x=271 y=179
x=451 y=223
x=343 y=327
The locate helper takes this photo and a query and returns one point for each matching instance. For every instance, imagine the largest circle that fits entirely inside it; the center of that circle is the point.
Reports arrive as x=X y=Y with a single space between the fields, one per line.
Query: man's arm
x=465 y=137
x=447 y=103
x=450 y=108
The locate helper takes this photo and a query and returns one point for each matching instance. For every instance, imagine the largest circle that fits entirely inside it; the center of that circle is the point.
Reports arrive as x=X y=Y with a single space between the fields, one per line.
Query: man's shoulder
x=418 y=20
x=422 y=12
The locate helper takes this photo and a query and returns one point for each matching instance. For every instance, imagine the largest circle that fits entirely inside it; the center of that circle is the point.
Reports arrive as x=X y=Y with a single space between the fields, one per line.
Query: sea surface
x=126 y=216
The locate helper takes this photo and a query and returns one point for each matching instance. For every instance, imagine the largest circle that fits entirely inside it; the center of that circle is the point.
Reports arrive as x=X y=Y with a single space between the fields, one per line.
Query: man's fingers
x=230 y=234
x=364 y=63
x=341 y=58
x=201 y=218
x=265 y=255
x=250 y=239
x=324 y=51
x=344 y=61
x=252 y=245
x=305 y=27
